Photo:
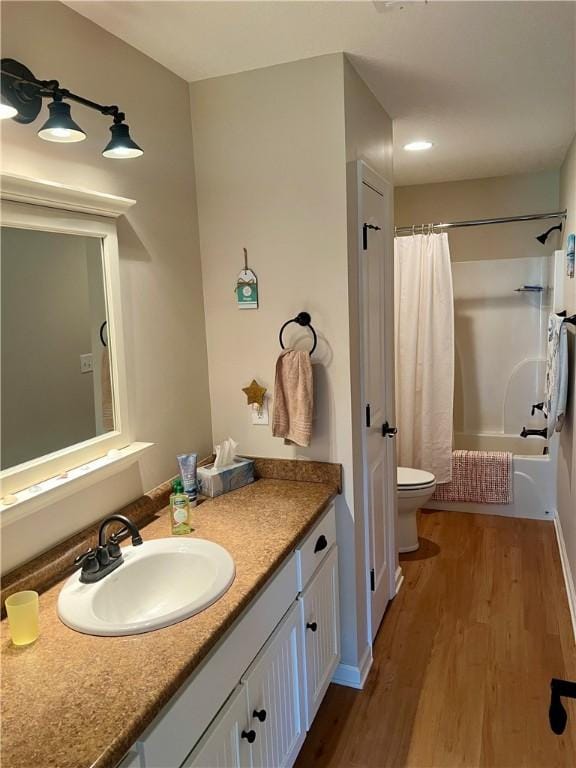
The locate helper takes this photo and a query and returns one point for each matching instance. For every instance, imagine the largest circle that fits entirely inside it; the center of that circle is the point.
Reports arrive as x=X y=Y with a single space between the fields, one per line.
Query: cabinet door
x=321 y=629
x=131 y=760
x=276 y=696
x=226 y=744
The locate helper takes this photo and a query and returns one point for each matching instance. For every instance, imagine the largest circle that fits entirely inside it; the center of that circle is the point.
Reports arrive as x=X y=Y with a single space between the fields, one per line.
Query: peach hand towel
x=293 y=397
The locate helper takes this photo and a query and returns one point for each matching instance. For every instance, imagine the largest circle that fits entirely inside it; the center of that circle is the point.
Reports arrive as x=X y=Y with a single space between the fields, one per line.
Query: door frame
x=365 y=175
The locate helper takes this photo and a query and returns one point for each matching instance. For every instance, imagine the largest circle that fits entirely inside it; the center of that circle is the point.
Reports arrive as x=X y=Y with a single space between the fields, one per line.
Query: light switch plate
x=261 y=416
x=86 y=363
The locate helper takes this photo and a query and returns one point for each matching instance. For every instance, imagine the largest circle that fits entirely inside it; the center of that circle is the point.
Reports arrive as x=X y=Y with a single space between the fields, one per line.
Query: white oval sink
x=159 y=583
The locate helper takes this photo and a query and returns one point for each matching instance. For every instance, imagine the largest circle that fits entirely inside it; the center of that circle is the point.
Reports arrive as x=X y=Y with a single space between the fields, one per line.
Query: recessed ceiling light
x=418 y=146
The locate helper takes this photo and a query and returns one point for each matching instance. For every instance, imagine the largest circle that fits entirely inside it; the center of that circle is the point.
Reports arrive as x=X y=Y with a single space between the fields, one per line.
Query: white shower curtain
x=424 y=314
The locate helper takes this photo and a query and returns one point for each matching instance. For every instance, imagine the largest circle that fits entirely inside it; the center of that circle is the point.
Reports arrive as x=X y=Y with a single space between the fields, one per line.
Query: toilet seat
x=414 y=479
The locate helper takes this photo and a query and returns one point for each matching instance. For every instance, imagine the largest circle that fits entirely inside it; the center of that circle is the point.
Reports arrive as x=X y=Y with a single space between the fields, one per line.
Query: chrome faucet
x=98 y=562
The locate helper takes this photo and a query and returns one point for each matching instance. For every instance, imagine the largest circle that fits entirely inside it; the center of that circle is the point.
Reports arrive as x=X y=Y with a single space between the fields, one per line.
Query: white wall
x=159 y=254
x=567 y=448
x=270 y=154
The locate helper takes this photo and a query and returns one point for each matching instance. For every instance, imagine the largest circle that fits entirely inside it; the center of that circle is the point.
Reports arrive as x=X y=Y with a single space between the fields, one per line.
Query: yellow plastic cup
x=22 y=610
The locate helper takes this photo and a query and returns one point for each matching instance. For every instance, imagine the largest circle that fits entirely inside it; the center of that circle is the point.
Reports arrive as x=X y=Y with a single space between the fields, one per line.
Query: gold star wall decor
x=255 y=393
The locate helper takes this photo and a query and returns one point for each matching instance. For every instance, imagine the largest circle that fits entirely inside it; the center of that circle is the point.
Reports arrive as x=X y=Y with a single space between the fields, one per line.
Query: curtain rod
x=413 y=229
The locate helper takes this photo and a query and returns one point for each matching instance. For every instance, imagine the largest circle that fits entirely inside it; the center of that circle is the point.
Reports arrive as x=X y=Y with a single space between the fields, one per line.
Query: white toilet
x=415 y=488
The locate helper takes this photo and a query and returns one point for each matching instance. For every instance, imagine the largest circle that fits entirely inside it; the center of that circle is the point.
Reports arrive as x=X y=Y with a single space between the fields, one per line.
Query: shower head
x=544 y=236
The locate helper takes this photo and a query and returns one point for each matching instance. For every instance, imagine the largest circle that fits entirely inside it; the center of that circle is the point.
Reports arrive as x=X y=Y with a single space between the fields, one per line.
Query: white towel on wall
x=424 y=316
x=556 y=374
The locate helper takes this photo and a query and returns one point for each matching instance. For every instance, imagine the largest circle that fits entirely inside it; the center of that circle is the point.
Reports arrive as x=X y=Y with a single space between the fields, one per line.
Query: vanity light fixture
x=418 y=146
x=22 y=95
x=121 y=145
x=60 y=127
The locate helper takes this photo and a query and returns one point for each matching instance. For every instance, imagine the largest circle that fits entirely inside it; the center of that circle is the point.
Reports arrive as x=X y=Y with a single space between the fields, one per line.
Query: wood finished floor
x=463 y=659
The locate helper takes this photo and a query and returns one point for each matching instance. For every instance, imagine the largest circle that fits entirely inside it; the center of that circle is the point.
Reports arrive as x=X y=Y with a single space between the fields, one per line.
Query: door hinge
x=365 y=228
x=368 y=422
x=372 y=580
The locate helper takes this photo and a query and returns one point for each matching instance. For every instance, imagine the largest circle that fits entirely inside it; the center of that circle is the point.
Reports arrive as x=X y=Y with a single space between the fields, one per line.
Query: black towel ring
x=568 y=320
x=303 y=319
x=104 y=324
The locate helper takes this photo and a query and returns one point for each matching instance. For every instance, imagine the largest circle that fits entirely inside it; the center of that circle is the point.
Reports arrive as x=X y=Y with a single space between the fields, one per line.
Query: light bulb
x=60 y=127
x=121 y=146
x=7 y=111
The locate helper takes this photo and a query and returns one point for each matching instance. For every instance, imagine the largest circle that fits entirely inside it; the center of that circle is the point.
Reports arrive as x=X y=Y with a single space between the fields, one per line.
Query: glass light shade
x=60 y=127
x=7 y=111
x=121 y=146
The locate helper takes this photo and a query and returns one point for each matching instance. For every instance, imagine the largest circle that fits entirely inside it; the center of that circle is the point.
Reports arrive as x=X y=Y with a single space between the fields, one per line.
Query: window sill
x=49 y=491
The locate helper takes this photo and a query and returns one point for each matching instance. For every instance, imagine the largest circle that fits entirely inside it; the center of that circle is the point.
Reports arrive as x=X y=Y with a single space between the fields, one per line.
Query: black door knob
x=250 y=736
x=388 y=431
x=312 y=626
x=260 y=714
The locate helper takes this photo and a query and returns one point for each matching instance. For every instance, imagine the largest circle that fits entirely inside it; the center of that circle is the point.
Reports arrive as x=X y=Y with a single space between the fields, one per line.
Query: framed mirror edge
x=37 y=204
x=103 y=466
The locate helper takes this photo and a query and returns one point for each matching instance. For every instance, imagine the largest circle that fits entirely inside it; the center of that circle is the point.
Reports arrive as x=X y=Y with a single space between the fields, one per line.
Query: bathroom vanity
x=261 y=687
x=235 y=685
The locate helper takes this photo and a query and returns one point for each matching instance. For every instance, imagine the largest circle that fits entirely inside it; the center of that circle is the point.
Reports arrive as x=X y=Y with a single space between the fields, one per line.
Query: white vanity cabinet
x=320 y=621
x=262 y=724
x=274 y=684
x=252 y=700
x=226 y=745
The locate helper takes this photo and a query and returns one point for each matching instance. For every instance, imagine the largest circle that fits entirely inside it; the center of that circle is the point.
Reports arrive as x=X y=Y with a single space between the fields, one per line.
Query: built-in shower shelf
x=530 y=289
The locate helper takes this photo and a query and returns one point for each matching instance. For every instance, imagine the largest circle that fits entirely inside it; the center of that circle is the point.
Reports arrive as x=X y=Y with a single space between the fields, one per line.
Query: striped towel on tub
x=483 y=477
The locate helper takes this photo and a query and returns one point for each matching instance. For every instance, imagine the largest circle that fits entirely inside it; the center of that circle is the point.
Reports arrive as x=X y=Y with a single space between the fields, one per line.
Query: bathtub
x=534 y=486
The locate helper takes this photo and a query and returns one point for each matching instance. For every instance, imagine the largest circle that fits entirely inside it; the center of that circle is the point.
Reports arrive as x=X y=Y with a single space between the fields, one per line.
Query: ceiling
x=492 y=84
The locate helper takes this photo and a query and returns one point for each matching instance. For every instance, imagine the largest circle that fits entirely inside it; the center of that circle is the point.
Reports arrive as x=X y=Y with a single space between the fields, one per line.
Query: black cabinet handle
x=250 y=736
x=260 y=714
x=321 y=544
x=312 y=626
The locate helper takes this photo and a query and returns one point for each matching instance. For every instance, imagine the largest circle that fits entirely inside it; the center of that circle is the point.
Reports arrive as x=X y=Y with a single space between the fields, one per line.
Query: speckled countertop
x=76 y=701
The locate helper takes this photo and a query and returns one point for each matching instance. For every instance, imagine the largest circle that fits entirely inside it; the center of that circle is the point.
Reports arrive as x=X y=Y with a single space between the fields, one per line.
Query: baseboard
x=568 y=580
x=354 y=677
x=500 y=510
x=399 y=579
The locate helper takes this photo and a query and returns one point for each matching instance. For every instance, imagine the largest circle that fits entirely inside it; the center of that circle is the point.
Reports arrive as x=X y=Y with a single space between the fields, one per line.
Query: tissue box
x=214 y=482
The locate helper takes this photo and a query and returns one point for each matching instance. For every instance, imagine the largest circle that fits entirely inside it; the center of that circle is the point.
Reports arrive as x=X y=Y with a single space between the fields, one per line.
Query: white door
x=276 y=696
x=226 y=743
x=377 y=316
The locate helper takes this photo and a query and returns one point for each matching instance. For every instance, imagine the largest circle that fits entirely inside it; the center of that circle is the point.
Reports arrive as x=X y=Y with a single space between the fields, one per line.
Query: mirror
x=56 y=380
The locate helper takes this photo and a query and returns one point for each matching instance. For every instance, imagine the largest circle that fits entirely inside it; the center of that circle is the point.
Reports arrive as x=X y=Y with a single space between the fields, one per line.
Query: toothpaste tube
x=188 y=463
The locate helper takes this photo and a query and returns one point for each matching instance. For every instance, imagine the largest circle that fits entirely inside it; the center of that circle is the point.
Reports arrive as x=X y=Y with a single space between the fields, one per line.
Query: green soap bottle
x=180 y=509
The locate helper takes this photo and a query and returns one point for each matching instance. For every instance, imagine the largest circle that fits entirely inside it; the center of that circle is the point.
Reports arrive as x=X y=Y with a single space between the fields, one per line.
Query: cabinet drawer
x=321 y=629
x=315 y=547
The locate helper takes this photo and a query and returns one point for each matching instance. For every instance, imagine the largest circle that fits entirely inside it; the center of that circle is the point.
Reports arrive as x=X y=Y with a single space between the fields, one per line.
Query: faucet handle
x=114 y=546
x=89 y=561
